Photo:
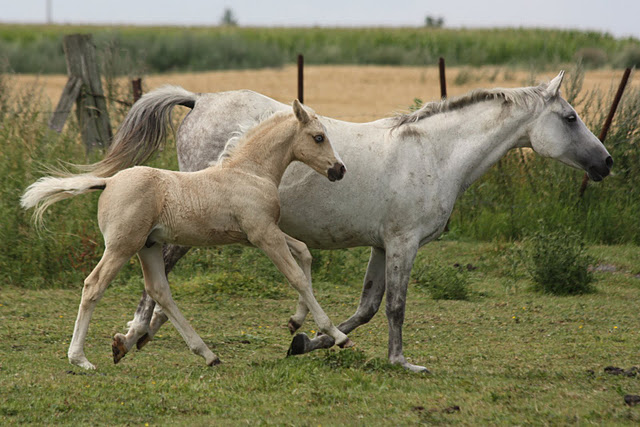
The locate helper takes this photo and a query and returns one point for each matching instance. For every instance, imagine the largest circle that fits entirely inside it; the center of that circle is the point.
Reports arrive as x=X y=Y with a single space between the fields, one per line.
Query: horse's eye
x=319 y=138
x=571 y=118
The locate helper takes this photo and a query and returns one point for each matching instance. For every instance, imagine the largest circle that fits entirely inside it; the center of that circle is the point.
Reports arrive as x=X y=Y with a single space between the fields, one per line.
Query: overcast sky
x=620 y=18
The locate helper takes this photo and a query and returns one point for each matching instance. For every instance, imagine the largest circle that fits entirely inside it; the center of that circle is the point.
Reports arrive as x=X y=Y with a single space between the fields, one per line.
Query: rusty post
x=609 y=119
x=136 y=84
x=443 y=81
x=301 y=78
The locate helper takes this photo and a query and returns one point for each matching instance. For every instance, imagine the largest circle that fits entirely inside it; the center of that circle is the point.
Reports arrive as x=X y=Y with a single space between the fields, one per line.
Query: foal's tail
x=143 y=131
x=49 y=189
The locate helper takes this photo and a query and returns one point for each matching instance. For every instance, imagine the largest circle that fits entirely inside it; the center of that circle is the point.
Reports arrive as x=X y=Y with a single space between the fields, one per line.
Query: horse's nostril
x=609 y=162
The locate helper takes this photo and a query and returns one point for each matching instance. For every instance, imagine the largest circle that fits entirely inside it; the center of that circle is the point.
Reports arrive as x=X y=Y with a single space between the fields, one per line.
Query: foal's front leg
x=302 y=255
x=274 y=243
x=156 y=284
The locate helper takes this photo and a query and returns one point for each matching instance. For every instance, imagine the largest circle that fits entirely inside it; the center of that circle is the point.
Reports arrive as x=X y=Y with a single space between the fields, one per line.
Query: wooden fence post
x=443 y=80
x=301 y=78
x=91 y=106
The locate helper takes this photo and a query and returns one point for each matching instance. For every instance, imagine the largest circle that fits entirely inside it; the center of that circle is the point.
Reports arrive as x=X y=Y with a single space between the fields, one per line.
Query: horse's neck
x=266 y=155
x=479 y=137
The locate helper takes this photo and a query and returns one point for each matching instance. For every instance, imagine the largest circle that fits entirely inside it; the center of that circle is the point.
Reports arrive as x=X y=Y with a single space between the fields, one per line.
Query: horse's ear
x=554 y=85
x=300 y=112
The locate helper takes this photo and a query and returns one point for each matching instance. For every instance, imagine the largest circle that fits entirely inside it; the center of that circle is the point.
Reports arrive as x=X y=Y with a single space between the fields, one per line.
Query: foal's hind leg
x=94 y=286
x=149 y=316
x=156 y=284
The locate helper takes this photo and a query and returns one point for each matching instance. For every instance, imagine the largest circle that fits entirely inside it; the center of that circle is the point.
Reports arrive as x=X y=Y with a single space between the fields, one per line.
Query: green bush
x=558 y=263
x=443 y=282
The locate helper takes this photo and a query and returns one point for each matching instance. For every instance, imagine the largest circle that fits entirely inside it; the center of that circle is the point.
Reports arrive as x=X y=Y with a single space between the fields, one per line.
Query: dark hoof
x=293 y=326
x=215 y=362
x=143 y=341
x=118 y=348
x=300 y=344
x=347 y=344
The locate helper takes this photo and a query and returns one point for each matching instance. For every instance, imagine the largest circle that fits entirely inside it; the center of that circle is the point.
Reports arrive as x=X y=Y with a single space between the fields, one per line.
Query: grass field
x=508 y=356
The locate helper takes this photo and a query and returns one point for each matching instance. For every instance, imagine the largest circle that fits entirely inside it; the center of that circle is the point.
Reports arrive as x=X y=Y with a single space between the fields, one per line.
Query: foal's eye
x=319 y=138
x=571 y=118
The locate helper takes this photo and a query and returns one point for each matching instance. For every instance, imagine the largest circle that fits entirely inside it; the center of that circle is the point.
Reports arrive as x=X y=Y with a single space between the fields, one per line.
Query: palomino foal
x=235 y=201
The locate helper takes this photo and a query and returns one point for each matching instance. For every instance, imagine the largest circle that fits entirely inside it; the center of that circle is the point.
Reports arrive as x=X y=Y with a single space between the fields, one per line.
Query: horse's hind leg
x=372 y=292
x=272 y=241
x=148 y=317
x=156 y=284
x=94 y=286
x=302 y=256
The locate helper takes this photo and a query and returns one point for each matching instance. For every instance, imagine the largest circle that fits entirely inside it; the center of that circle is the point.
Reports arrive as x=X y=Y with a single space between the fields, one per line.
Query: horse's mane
x=524 y=96
x=248 y=130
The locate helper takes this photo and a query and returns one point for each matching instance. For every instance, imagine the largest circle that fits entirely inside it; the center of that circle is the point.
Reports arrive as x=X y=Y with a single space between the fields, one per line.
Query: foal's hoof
x=293 y=326
x=118 y=348
x=142 y=341
x=215 y=362
x=347 y=344
x=300 y=344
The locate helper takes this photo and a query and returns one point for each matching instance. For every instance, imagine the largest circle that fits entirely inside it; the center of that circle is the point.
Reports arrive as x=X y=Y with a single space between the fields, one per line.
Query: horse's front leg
x=94 y=287
x=148 y=317
x=372 y=292
x=156 y=284
x=400 y=255
x=274 y=244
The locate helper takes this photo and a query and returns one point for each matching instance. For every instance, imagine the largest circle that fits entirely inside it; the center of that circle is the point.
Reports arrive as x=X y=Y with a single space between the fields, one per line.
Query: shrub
x=591 y=57
x=629 y=57
x=443 y=282
x=557 y=262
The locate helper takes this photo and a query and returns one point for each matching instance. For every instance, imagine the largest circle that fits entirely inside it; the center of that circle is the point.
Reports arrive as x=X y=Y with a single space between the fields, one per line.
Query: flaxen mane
x=247 y=131
x=518 y=96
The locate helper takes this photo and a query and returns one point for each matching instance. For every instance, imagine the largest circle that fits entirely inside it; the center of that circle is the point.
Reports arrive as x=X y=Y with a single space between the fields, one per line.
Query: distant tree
x=228 y=18
x=433 y=21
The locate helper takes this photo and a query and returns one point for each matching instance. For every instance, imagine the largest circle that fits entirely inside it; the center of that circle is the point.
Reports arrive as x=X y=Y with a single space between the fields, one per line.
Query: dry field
x=353 y=93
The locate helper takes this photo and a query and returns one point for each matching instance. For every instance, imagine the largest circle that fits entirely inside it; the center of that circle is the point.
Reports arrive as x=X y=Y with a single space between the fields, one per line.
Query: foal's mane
x=523 y=97
x=250 y=130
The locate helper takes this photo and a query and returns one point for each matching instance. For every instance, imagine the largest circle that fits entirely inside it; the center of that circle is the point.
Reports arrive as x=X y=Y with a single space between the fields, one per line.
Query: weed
x=443 y=282
x=558 y=263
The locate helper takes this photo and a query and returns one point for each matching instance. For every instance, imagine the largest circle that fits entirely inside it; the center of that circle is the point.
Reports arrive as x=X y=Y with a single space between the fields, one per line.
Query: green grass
x=38 y=48
x=507 y=356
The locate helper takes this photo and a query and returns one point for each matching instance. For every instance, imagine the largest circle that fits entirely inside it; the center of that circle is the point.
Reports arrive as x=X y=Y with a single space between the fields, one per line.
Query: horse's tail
x=49 y=190
x=143 y=131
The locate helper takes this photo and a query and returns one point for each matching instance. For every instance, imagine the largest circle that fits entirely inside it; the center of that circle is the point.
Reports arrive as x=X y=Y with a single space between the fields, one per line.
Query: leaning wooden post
x=301 y=78
x=608 y=120
x=91 y=106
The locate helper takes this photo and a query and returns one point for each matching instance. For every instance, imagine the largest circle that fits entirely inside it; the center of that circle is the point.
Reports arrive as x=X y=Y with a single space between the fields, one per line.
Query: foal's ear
x=300 y=112
x=554 y=85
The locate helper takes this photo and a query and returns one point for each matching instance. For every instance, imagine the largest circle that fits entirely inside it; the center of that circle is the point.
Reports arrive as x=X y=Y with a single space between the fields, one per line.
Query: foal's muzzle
x=336 y=172
x=598 y=173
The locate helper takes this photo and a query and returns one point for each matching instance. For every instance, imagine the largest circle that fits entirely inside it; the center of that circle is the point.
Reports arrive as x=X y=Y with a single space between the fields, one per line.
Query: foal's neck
x=267 y=153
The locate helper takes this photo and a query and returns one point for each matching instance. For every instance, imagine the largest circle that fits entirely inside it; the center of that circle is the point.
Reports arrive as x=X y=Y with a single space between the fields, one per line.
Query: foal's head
x=559 y=133
x=312 y=147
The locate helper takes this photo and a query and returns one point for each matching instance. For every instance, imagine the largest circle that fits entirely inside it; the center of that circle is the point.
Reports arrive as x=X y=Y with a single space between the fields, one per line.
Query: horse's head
x=312 y=147
x=559 y=133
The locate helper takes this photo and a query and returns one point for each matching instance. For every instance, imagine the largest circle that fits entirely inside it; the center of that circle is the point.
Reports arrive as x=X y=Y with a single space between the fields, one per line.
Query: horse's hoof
x=347 y=344
x=214 y=362
x=293 y=326
x=300 y=344
x=118 y=348
x=143 y=341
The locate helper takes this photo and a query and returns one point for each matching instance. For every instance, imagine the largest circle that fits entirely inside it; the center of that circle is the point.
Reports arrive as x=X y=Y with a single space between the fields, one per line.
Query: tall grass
x=509 y=201
x=38 y=48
